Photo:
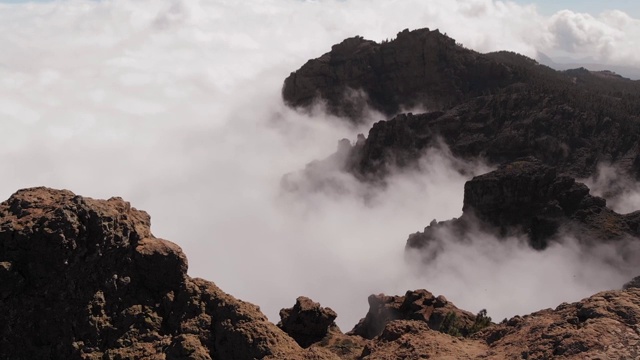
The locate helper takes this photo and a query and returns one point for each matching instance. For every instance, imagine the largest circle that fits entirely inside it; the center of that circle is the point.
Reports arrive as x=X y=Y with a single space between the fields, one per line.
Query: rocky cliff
x=604 y=326
x=85 y=279
x=497 y=106
x=526 y=197
x=420 y=68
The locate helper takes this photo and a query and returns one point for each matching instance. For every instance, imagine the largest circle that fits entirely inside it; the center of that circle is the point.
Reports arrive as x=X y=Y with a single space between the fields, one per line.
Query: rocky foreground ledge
x=85 y=279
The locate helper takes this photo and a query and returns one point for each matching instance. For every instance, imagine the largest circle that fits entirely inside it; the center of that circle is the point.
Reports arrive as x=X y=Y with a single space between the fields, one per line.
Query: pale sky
x=593 y=7
x=546 y=7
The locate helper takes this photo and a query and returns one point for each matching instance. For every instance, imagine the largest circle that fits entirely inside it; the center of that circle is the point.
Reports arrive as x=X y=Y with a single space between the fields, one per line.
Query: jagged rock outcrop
x=603 y=326
x=633 y=283
x=307 y=322
x=77 y=282
x=528 y=197
x=414 y=305
x=498 y=106
x=502 y=128
x=419 y=68
x=85 y=279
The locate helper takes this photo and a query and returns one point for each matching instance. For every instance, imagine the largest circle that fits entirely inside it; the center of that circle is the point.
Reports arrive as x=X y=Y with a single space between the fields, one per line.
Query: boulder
x=307 y=322
x=420 y=305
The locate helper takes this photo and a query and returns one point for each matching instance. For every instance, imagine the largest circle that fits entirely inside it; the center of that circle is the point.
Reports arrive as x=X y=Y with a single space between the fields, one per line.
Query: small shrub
x=450 y=325
x=482 y=321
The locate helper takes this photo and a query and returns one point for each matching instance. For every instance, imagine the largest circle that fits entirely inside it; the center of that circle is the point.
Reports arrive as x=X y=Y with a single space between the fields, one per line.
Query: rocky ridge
x=86 y=279
x=498 y=106
x=419 y=68
x=603 y=326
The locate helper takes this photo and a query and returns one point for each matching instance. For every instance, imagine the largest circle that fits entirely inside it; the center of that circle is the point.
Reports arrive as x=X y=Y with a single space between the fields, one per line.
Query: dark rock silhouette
x=498 y=106
x=307 y=322
x=528 y=197
x=419 y=68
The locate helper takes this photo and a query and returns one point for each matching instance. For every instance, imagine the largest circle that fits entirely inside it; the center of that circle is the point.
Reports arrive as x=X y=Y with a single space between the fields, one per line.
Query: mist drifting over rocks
x=176 y=106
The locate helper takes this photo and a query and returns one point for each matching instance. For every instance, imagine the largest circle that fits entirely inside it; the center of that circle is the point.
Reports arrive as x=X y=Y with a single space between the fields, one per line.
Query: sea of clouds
x=176 y=107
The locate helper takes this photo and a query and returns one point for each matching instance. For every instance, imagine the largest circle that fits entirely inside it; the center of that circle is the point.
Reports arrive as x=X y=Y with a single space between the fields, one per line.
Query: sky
x=592 y=7
x=175 y=106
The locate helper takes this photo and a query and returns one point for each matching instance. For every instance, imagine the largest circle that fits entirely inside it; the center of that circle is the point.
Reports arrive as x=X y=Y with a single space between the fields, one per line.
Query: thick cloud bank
x=175 y=106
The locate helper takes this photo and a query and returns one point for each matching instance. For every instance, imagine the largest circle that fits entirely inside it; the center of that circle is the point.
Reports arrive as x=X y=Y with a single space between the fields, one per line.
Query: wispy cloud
x=175 y=105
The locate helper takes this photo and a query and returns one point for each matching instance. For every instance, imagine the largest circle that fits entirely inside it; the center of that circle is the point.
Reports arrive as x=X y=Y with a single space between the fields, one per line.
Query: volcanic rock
x=497 y=106
x=418 y=305
x=86 y=279
x=528 y=197
x=633 y=283
x=76 y=282
x=419 y=68
x=603 y=326
x=307 y=322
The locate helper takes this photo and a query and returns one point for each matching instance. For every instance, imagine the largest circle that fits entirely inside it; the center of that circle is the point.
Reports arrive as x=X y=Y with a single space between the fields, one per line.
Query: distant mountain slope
x=500 y=106
x=632 y=73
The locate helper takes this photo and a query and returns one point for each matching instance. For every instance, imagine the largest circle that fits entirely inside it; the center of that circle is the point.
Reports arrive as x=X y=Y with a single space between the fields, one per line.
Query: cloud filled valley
x=176 y=107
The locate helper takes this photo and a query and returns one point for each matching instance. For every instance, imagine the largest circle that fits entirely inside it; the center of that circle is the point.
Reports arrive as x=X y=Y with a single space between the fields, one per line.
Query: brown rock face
x=410 y=339
x=418 y=305
x=307 y=322
x=85 y=279
x=527 y=197
x=603 y=326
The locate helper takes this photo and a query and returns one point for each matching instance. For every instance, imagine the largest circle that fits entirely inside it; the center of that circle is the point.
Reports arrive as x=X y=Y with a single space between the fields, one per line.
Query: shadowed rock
x=498 y=106
x=419 y=68
x=530 y=198
x=307 y=322
x=418 y=305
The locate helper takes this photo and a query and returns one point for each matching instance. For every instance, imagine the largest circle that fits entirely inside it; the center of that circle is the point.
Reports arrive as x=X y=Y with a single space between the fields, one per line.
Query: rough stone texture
x=85 y=279
x=407 y=339
x=633 y=283
x=498 y=106
x=603 y=326
x=418 y=68
x=527 y=197
x=345 y=346
x=503 y=128
x=418 y=305
x=76 y=283
x=307 y=322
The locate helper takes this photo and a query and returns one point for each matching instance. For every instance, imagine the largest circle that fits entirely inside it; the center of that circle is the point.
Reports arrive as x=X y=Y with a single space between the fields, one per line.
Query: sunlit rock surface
x=85 y=279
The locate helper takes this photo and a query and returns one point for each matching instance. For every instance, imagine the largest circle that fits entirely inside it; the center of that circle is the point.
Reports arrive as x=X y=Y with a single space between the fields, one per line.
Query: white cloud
x=175 y=105
x=609 y=38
